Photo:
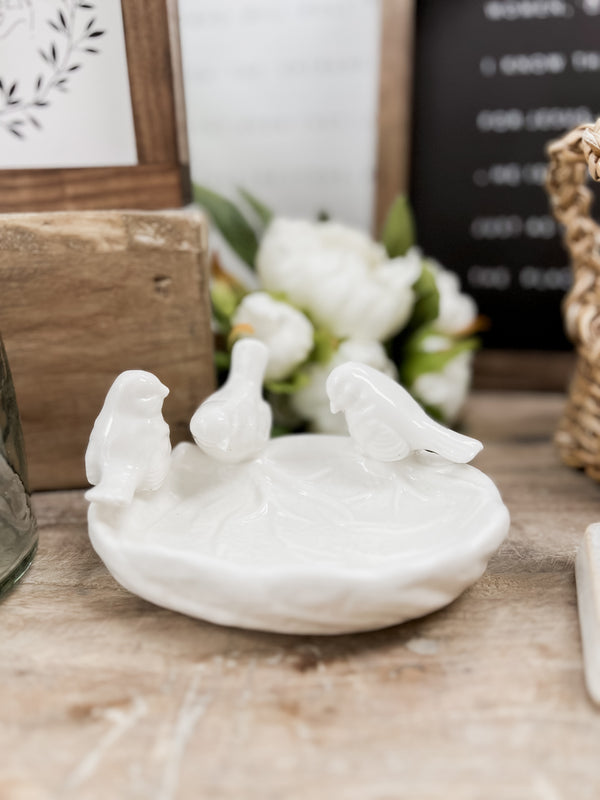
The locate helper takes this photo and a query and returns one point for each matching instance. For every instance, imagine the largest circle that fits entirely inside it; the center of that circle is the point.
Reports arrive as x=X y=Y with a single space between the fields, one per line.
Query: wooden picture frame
x=161 y=177
x=395 y=99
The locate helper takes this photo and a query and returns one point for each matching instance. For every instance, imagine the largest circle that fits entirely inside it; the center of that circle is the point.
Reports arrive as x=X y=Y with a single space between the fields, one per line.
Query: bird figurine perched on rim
x=386 y=423
x=129 y=447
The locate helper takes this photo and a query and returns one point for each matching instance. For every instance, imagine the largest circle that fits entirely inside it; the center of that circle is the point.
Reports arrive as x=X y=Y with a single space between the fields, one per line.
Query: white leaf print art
x=64 y=87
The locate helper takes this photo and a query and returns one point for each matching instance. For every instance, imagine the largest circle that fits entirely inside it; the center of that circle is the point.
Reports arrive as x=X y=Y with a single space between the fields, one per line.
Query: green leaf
x=427 y=302
x=222 y=360
x=262 y=211
x=324 y=346
x=418 y=362
x=224 y=299
x=231 y=223
x=398 y=234
x=280 y=430
x=292 y=384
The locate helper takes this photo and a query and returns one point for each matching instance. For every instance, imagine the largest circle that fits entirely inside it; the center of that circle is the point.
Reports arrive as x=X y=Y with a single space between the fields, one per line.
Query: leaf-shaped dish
x=310 y=538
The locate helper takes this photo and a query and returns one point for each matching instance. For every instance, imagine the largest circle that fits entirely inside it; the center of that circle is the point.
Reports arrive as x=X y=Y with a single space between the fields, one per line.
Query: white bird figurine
x=129 y=446
x=386 y=423
x=234 y=423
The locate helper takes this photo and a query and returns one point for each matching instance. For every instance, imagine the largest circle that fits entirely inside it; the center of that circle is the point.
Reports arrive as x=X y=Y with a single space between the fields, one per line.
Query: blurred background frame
x=160 y=179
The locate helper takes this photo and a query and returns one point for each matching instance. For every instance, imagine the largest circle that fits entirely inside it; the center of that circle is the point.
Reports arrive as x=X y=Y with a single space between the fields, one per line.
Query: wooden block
x=587 y=571
x=86 y=295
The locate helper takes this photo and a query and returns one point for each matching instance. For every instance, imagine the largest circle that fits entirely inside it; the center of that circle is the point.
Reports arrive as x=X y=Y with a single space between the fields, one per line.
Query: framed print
x=91 y=105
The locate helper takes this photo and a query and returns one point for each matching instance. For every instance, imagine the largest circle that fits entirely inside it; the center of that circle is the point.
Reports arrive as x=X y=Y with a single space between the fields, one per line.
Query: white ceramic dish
x=309 y=538
x=302 y=534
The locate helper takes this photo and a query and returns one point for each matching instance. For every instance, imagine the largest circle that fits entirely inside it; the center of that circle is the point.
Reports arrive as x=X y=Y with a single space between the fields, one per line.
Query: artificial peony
x=287 y=332
x=343 y=279
x=457 y=311
x=322 y=293
x=446 y=389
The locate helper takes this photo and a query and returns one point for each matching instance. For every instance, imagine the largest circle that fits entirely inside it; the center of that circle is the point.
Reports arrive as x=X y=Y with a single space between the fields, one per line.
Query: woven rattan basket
x=571 y=158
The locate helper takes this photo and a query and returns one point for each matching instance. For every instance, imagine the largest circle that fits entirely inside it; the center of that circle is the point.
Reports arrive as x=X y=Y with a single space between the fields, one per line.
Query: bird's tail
x=114 y=492
x=454 y=446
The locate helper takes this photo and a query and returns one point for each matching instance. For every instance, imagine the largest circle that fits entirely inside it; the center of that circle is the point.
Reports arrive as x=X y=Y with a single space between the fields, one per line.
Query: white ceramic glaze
x=587 y=572
x=234 y=423
x=314 y=534
x=386 y=422
x=129 y=446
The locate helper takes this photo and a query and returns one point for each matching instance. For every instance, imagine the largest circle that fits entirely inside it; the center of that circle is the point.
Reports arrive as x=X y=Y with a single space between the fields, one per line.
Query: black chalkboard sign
x=495 y=80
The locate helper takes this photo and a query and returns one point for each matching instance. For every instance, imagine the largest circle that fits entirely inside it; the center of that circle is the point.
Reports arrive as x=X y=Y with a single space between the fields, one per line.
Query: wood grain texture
x=87 y=295
x=395 y=98
x=146 y=25
x=104 y=695
x=523 y=370
x=161 y=179
x=178 y=86
x=146 y=186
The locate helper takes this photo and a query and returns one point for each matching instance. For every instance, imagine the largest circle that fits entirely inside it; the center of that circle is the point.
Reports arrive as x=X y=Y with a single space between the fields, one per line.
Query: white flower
x=286 y=331
x=447 y=389
x=312 y=403
x=343 y=279
x=457 y=310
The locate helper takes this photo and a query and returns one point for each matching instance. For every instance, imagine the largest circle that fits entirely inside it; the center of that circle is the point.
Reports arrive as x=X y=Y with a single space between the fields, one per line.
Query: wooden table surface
x=103 y=695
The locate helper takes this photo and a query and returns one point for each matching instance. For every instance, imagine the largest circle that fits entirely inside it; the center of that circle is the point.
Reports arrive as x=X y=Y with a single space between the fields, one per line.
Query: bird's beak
x=333 y=407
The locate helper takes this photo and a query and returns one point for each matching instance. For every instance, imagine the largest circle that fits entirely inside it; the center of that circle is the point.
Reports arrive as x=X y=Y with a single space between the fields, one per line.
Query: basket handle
x=571 y=158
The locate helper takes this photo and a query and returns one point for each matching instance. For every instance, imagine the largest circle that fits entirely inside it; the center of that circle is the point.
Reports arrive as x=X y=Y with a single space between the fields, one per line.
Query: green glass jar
x=18 y=533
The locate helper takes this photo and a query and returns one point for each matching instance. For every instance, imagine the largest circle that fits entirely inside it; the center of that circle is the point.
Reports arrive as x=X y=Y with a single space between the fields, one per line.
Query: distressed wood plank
x=104 y=695
x=87 y=295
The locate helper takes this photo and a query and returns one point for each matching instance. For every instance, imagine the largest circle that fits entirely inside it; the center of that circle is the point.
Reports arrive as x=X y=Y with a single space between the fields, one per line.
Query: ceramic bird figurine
x=234 y=423
x=129 y=446
x=386 y=423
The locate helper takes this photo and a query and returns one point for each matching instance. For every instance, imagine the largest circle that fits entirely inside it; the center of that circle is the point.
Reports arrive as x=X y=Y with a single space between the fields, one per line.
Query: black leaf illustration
x=65 y=22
